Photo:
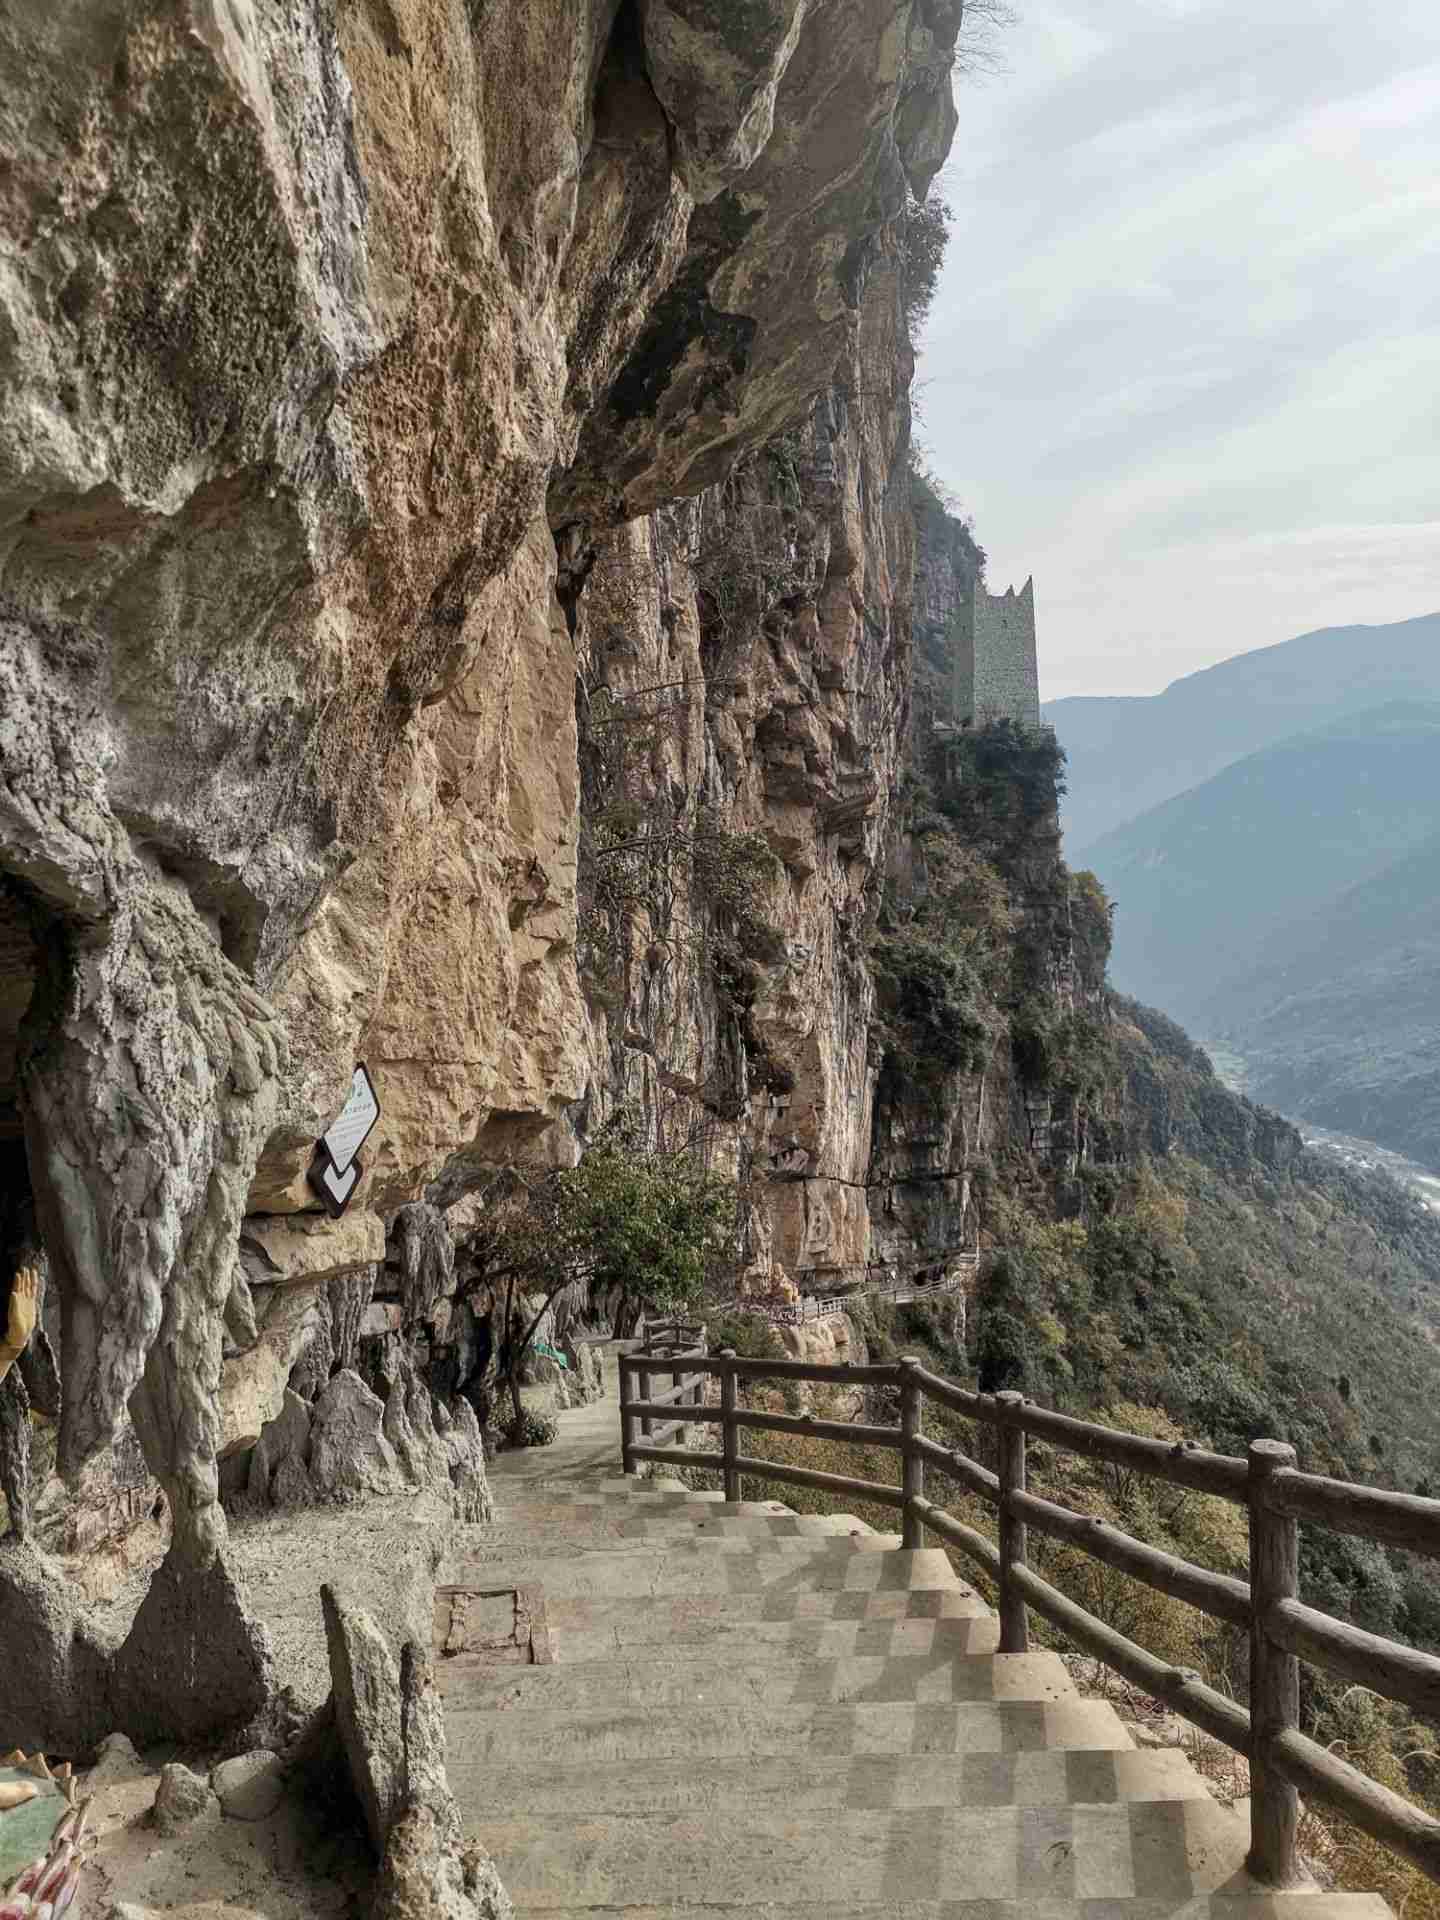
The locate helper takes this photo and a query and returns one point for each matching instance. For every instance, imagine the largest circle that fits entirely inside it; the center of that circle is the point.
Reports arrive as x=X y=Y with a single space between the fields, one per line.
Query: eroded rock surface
x=317 y=328
x=748 y=665
x=390 y=1727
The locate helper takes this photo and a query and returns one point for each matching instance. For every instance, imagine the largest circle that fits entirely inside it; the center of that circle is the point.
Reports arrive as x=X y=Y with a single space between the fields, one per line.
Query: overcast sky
x=1184 y=363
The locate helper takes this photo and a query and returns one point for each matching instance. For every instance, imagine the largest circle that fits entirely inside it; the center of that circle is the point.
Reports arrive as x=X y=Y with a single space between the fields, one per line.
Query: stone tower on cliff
x=995 y=672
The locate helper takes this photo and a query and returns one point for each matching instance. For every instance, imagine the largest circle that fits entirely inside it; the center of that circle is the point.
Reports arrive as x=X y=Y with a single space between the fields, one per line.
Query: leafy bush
x=531 y=1429
x=733 y=873
x=1054 y=1049
x=644 y=1226
x=1002 y=1353
x=1092 y=917
x=930 y=1014
x=749 y=1335
x=1000 y=787
x=923 y=233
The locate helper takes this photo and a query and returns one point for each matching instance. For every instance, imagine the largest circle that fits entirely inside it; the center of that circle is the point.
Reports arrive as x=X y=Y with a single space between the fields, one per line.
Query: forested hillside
x=1159 y=1253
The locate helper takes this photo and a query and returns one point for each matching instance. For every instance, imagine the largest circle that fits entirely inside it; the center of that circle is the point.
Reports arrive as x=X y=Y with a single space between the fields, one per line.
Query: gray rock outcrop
x=249 y=1786
x=181 y=1799
x=428 y=1870
x=365 y=1699
x=352 y=1445
x=390 y=1727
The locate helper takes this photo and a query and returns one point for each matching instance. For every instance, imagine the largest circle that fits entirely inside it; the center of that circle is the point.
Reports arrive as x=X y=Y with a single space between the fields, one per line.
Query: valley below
x=1366 y=1155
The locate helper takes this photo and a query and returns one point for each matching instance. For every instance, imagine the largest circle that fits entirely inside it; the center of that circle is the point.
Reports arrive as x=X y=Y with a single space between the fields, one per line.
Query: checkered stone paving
x=660 y=1706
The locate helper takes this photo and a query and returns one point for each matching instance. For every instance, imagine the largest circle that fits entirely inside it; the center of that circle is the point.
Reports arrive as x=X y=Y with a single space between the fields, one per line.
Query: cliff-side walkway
x=659 y=1705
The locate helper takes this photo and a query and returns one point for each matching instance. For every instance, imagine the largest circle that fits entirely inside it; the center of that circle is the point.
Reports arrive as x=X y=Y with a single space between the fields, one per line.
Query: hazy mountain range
x=1286 y=899
x=1126 y=755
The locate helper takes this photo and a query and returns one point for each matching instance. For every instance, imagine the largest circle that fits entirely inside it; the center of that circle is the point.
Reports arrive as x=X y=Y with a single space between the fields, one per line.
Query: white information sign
x=350 y=1129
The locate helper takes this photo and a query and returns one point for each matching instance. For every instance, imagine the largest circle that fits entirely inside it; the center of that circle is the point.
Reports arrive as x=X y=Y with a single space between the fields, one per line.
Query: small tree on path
x=644 y=1227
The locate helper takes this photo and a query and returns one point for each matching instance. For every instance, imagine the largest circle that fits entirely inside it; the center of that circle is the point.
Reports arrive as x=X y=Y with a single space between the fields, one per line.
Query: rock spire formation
x=341 y=350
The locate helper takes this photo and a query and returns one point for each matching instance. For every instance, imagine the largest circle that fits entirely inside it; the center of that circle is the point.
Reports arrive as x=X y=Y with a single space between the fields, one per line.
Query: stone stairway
x=739 y=1710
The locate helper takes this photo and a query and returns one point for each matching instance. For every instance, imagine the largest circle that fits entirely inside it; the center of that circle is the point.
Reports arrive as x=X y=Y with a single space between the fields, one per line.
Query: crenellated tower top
x=996 y=676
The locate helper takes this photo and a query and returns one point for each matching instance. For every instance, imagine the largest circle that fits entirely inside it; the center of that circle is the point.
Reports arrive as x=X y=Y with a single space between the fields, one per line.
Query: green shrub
x=749 y=1335
x=923 y=232
x=645 y=1226
x=931 y=1013
x=532 y=1429
x=1000 y=786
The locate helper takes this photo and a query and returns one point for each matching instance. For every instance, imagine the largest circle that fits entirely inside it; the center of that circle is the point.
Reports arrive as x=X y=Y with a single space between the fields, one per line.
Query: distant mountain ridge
x=1289 y=908
x=1205 y=880
x=1129 y=754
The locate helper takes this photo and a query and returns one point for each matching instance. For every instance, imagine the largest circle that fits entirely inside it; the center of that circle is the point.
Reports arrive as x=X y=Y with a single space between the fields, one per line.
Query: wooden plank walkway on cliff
x=660 y=1703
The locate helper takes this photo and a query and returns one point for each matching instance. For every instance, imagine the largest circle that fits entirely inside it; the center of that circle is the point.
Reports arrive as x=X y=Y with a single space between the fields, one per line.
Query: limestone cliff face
x=745 y=670
x=1022 y=1091
x=337 y=344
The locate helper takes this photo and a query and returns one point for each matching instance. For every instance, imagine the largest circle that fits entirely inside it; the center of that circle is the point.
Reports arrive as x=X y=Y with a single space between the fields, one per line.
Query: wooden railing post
x=1274 y=1674
x=629 y=1422
x=646 y=1379
x=729 y=1398
x=697 y=1397
x=1014 y=1625
x=912 y=1464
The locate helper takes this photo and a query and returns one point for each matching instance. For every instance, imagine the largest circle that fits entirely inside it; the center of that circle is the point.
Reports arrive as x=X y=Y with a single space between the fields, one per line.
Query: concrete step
x=590 y=1528
x=621 y=1536
x=861 y=1565
x=585 y=1460
x=662 y=1635
x=551 y=1506
x=673 y=1510
x=651 y=1619
x=1206 y=1906
x=804 y=1784
x=682 y=1542
x=1170 y=1849
x=598 y=1485
x=481 y=1739
x=782 y=1679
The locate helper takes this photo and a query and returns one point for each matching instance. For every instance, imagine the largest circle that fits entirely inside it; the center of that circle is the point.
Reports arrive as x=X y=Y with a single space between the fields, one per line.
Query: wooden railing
x=668 y=1347
x=1276 y=1495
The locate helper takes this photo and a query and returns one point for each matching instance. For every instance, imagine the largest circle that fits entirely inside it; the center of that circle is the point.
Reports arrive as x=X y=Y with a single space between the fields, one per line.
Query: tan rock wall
x=313 y=323
x=751 y=655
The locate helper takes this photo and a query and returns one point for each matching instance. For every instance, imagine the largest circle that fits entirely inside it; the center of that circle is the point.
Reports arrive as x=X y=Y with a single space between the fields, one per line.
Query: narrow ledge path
x=734 y=1711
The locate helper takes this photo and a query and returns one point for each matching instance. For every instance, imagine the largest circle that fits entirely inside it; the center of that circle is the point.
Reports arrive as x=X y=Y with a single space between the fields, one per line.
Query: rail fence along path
x=1268 y=1484
x=895 y=1286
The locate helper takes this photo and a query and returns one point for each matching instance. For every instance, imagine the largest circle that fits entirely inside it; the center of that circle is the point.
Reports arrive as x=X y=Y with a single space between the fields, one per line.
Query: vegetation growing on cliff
x=923 y=233
x=1173 y=1262
x=939 y=959
x=984 y=921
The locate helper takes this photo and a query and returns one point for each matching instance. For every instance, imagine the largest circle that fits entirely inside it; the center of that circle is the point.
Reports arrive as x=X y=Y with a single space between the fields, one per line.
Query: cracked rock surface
x=335 y=344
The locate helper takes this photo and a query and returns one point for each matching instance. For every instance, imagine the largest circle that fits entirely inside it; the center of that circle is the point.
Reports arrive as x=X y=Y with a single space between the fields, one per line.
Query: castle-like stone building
x=995 y=672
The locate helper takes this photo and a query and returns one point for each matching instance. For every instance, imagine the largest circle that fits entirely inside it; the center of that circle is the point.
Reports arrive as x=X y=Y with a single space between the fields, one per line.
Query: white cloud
x=1187 y=328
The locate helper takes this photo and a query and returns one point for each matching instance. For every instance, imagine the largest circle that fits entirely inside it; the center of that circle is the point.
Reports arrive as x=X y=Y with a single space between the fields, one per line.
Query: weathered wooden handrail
x=1213 y=1593
x=667 y=1348
x=1276 y=1495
